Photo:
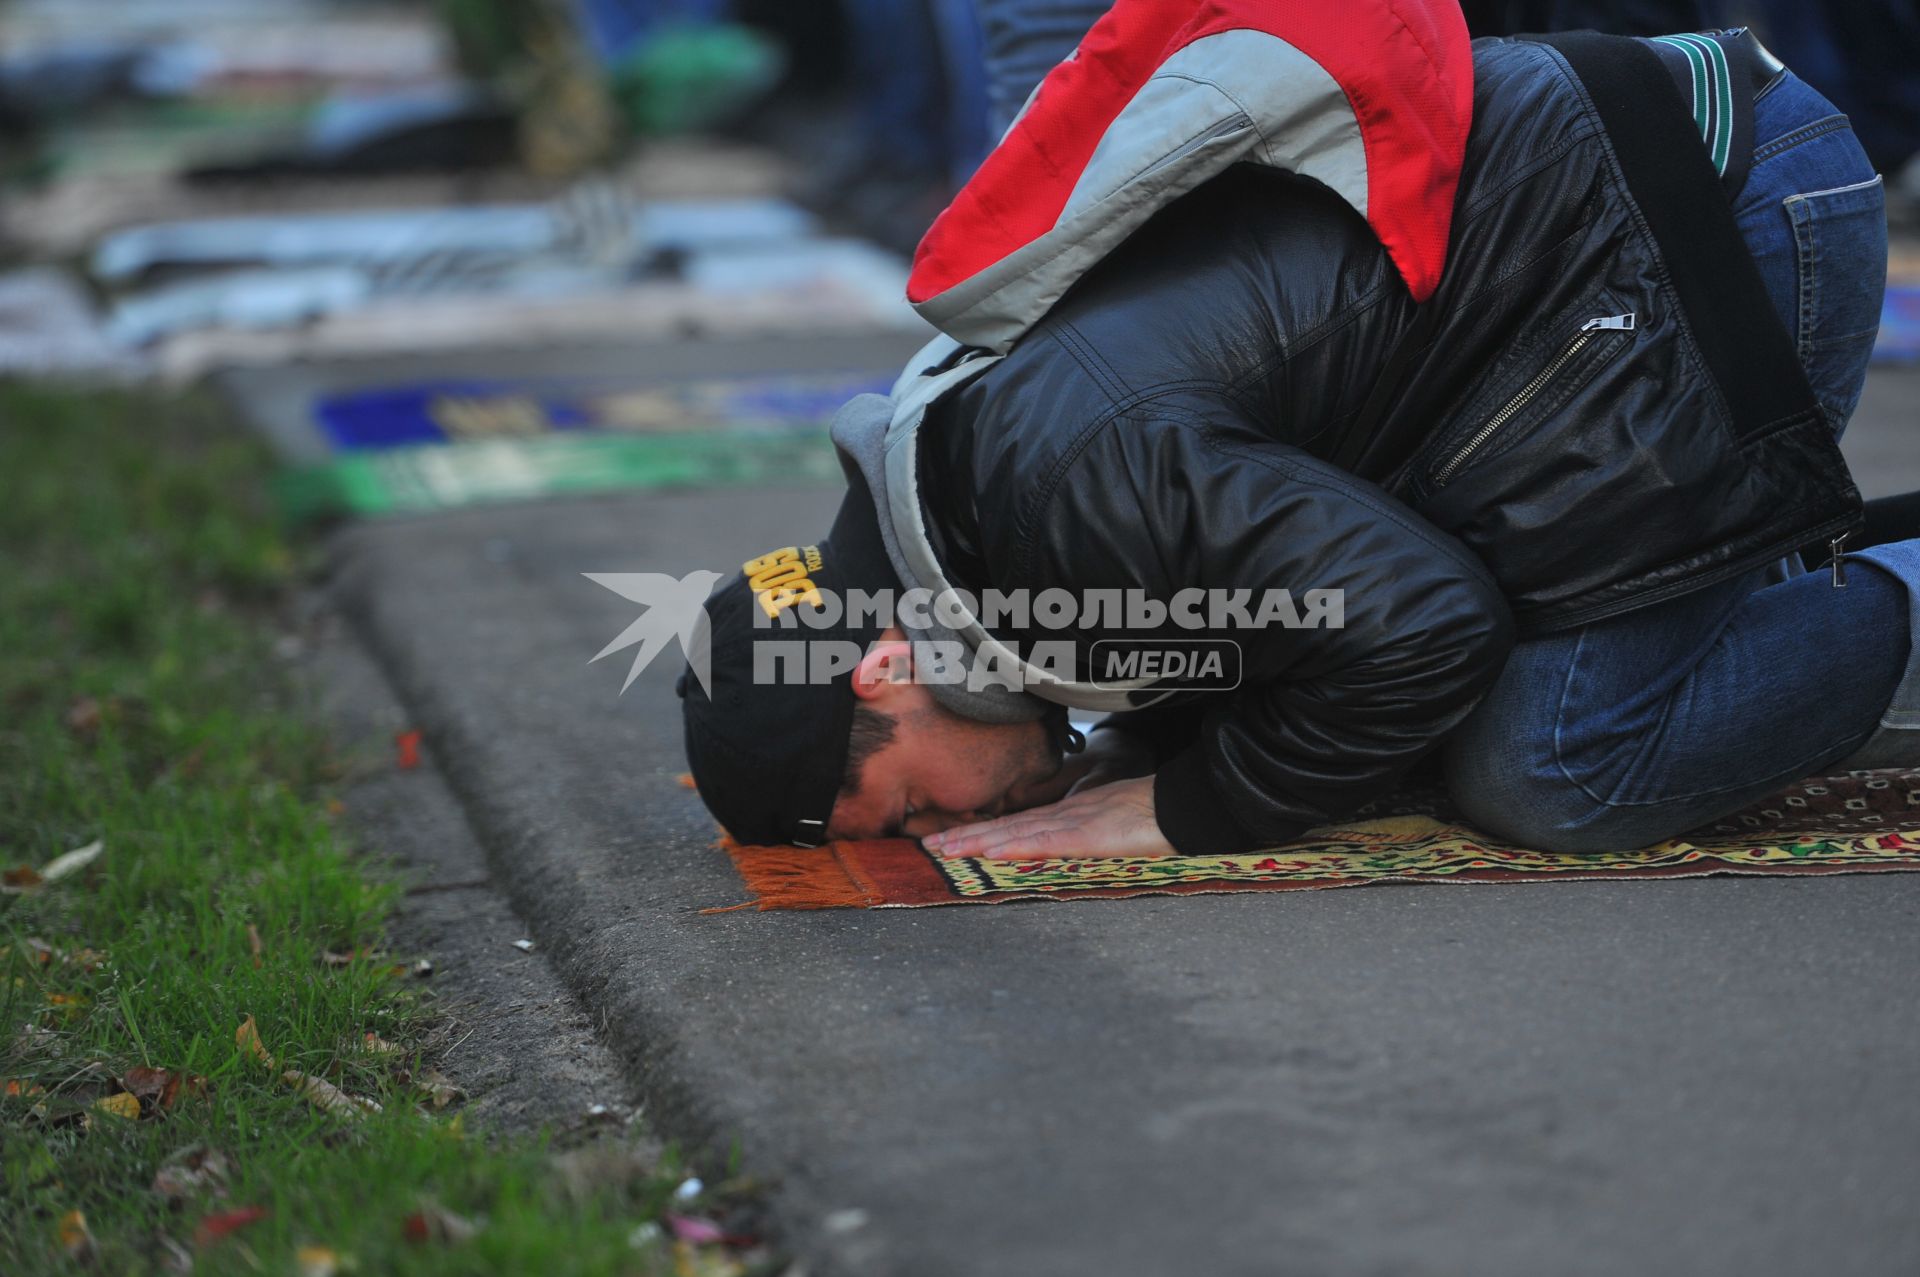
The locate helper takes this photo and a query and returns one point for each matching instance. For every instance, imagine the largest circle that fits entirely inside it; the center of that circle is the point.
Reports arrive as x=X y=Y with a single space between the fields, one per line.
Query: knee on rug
x=1533 y=804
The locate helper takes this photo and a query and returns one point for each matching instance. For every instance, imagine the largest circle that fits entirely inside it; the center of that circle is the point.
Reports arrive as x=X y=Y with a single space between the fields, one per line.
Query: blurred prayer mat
x=450 y=411
x=1899 y=339
x=426 y=477
x=1857 y=822
x=442 y=445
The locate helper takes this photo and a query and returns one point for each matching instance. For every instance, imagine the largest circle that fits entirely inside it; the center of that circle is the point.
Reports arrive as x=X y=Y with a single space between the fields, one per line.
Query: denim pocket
x=1840 y=241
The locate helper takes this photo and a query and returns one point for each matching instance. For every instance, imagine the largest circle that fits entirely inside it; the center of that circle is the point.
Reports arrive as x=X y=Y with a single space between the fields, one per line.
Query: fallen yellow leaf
x=68 y=1006
x=124 y=1104
x=74 y=1237
x=247 y=1037
x=316 y=1261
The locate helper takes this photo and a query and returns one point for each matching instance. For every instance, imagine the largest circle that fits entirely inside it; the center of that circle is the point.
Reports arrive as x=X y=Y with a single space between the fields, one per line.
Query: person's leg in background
x=962 y=67
x=895 y=60
x=1863 y=57
x=1637 y=728
x=914 y=68
x=1025 y=39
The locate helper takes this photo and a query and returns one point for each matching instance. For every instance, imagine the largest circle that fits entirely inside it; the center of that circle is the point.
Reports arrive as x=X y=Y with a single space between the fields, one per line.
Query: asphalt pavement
x=1707 y=1076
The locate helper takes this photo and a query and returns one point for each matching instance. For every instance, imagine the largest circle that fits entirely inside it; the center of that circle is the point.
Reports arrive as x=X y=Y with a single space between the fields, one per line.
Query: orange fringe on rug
x=795 y=878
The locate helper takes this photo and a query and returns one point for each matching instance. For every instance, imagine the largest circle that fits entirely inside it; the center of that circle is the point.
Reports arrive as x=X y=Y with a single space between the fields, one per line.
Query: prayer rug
x=448 y=444
x=1856 y=822
x=1899 y=339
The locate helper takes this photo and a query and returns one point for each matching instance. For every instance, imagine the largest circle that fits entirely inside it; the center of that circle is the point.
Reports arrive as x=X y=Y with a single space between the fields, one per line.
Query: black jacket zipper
x=1589 y=331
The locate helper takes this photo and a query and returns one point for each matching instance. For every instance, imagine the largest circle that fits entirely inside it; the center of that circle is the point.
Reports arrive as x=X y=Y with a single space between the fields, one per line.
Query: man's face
x=941 y=770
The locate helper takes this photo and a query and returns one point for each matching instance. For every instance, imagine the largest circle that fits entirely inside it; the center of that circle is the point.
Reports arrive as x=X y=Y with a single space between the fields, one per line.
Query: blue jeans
x=1640 y=727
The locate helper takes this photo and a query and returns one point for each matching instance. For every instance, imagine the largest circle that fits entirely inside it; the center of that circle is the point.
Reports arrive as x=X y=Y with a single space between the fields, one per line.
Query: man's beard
x=1029 y=780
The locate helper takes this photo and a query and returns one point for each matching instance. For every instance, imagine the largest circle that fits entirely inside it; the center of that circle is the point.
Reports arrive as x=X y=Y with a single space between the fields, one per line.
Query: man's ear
x=884 y=671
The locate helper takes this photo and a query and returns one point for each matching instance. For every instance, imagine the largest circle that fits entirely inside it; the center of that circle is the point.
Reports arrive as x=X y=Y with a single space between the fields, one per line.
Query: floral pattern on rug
x=1411 y=846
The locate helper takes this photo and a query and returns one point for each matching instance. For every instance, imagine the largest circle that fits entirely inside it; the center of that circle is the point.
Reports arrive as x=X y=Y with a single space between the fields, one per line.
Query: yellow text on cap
x=779 y=578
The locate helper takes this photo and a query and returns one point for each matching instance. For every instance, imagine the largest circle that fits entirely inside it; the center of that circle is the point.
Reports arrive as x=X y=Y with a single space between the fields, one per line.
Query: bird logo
x=675 y=609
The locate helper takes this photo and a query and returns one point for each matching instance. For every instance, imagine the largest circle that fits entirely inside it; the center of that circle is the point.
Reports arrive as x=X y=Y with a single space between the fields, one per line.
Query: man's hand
x=1110 y=820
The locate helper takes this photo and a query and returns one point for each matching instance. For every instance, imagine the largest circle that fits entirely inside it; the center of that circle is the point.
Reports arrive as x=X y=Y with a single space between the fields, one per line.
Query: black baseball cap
x=768 y=757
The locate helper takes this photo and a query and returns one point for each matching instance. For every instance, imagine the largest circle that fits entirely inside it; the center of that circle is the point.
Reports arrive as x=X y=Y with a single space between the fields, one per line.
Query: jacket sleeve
x=1165 y=730
x=1326 y=718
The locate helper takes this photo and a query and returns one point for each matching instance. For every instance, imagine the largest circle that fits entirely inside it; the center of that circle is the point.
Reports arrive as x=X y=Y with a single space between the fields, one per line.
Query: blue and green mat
x=447 y=444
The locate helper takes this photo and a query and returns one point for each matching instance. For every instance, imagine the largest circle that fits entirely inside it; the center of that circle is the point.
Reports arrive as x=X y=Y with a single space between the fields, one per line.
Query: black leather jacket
x=1577 y=434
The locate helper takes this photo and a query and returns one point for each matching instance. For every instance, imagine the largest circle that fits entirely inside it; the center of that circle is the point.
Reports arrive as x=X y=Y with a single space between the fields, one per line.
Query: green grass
x=140 y=705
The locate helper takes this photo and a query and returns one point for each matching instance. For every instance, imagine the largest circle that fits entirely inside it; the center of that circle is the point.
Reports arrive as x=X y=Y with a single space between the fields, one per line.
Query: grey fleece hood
x=879 y=435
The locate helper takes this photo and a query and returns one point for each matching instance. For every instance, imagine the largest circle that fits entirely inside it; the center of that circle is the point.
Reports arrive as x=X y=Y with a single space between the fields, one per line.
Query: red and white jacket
x=1372 y=97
